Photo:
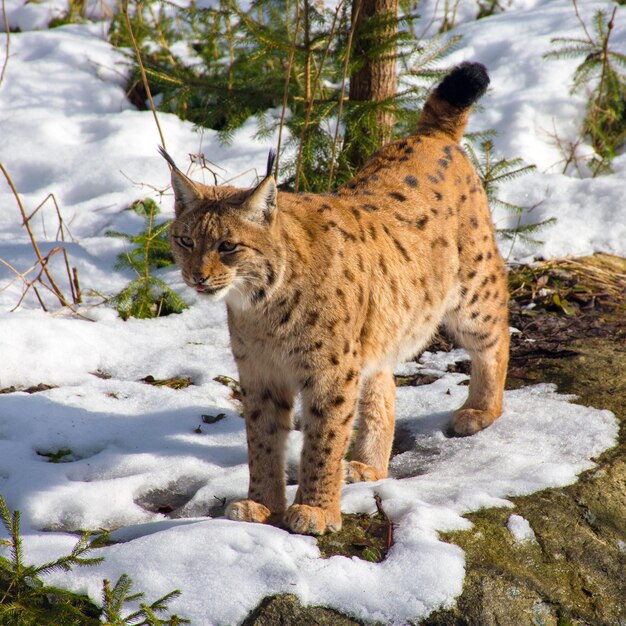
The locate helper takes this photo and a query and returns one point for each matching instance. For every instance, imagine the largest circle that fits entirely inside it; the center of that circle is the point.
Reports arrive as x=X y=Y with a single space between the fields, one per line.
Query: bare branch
x=7 y=30
x=344 y=77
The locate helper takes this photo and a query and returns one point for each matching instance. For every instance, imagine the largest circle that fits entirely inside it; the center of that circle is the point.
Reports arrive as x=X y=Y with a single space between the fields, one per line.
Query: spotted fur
x=326 y=293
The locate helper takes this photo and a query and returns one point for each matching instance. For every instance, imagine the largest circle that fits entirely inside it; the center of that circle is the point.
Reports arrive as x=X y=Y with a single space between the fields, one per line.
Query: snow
x=68 y=130
x=123 y=452
x=521 y=530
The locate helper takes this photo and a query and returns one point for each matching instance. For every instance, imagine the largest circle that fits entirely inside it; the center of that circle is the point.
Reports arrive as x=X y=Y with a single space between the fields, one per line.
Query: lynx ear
x=261 y=205
x=185 y=190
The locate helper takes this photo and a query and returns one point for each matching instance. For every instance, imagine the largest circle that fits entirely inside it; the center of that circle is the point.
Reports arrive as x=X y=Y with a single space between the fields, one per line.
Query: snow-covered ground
x=66 y=128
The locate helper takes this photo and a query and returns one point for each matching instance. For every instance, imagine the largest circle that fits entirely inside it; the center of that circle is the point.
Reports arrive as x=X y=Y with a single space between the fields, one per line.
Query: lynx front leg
x=376 y=424
x=267 y=411
x=327 y=427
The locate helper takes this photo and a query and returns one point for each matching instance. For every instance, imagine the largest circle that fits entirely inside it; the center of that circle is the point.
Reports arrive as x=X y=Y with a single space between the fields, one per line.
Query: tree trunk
x=374 y=79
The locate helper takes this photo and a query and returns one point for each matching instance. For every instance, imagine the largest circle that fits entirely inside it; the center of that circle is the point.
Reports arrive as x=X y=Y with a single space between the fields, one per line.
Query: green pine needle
x=605 y=119
x=146 y=296
x=493 y=171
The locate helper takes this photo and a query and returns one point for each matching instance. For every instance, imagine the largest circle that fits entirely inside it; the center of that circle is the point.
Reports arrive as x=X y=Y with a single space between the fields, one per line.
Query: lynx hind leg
x=484 y=332
x=372 y=448
x=484 y=402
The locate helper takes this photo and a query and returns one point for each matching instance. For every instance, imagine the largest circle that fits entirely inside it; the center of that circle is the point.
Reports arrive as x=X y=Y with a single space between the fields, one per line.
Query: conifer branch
x=605 y=119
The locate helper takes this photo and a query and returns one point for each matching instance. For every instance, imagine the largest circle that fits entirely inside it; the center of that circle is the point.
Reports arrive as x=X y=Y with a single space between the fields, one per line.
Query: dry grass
x=584 y=282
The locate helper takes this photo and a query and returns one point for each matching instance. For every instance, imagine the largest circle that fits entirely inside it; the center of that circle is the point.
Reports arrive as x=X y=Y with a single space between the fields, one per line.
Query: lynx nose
x=198 y=278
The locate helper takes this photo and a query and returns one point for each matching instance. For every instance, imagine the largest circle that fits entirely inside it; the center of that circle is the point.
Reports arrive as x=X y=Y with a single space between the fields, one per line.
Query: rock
x=286 y=610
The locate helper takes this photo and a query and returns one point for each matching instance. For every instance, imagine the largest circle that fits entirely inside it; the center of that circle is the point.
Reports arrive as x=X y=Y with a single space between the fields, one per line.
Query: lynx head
x=224 y=239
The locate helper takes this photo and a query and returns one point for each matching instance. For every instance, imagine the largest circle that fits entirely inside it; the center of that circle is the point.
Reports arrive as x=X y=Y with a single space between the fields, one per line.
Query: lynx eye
x=185 y=242
x=226 y=247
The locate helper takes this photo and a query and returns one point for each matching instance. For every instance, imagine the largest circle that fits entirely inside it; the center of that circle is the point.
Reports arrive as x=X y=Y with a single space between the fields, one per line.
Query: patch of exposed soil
x=574 y=574
x=31 y=389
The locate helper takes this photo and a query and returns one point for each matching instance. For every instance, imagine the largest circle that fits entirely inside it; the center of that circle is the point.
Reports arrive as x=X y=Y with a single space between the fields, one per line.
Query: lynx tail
x=449 y=105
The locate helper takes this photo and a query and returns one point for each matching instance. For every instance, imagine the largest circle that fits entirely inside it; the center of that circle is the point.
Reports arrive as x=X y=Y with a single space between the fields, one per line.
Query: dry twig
x=40 y=258
x=142 y=69
x=342 y=92
x=283 y=111
x=61 y=227
x=8 y=42
x=317 y=84
x=379 y=508
x=43 y=276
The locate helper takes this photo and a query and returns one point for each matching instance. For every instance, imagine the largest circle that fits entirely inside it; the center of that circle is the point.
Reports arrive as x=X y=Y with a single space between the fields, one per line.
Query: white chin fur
x=215 y=296
x=235 y=295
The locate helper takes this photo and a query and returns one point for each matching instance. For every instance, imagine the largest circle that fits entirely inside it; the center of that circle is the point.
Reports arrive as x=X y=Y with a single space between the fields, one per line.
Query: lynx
x=326 y=293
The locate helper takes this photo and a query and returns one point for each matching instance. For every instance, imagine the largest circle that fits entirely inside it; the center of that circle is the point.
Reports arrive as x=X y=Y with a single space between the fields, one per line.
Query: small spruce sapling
x=75 y=14
x=493 y=171
x=24 y=599
x=146 y=295
x=114 y=598
x=605 y=120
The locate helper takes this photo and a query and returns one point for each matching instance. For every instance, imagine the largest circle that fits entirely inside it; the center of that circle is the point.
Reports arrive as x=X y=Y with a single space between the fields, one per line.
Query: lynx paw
x=470 y=421
x=247 y=511
x=360 y=472
x=311 y=520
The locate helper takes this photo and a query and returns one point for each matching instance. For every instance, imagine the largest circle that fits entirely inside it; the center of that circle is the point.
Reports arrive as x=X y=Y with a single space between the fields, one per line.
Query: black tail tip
x=464 y=84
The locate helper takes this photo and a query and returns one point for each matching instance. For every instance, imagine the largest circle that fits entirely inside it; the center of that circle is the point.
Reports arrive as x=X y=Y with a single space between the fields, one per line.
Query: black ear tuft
x=271 y=157
x=464 y=84
x=167 y=157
